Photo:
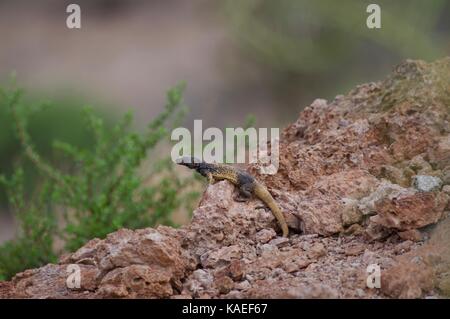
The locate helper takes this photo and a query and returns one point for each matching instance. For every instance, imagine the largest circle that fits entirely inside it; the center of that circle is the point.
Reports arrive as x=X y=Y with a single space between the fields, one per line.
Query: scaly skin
x=245 y=182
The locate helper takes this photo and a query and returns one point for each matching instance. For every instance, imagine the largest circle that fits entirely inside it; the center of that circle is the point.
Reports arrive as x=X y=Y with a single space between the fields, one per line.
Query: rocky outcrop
x=370 y=148
x=362 y=181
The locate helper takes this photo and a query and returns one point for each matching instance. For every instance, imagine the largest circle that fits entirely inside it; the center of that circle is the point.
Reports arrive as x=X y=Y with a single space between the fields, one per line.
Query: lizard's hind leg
x=245 y=193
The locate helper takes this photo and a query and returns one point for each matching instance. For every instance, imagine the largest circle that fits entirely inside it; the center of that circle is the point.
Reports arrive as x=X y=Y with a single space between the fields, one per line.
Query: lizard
x=246 y=184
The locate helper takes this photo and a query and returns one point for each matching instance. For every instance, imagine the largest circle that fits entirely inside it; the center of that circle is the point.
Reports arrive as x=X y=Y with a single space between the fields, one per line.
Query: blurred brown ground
x=130 y=55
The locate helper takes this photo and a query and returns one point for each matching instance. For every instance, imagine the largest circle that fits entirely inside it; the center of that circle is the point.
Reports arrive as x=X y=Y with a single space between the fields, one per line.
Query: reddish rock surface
x=345 y=185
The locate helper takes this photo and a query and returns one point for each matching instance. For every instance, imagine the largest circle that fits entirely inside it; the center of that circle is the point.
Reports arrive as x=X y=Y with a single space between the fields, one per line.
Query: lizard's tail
x=265 y=196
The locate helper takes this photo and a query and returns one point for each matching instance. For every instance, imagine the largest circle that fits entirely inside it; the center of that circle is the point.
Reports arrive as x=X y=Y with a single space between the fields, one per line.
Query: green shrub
x=59 y=118
x=33 y=245
x=95 y=190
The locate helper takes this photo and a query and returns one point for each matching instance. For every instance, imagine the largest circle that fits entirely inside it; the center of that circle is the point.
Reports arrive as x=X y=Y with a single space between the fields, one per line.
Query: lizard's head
x=189 y=161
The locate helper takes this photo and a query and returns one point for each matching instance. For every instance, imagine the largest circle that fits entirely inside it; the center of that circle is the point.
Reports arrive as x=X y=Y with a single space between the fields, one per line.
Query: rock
x=317 y=291
x=142 y=263
x=446 y=189
x=325 y=195
x=265 y=235
x=446 y=176
x=303 y=263
x=279 y=242
x=440 y=154
x=369 y=257
x=345 y=167
x=360 y=293
x=396 y=175
x=350 y=213
x=419 y=165
x=224 y=284
x=410 y=210
x=376 y=232
x=355 y=250
x=243 y=285
x=136 y=281
x=354 y=229
x=221 y=256
x=50 y=281
x=367 y=205
x=317 y=250
x=6 y=290
x=203 y=277
x=403 y=247
x=235 y=270
x=291 y=267
x=425 y=183
x=444 y=284
x=268 y=250
x=411 y=277
x=412 y=234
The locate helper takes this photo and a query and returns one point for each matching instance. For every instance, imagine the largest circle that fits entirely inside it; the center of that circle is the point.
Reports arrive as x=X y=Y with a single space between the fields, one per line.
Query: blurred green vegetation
x=33 y=245
x=91 y=190
x=323 y=48
x=60 y=118
x=313 y=36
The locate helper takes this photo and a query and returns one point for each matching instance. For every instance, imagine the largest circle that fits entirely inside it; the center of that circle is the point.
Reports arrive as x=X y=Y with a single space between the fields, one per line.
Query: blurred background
x=263 y=57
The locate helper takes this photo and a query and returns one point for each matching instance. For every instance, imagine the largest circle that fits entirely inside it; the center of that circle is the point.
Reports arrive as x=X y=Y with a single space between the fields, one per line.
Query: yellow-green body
x=246 y=183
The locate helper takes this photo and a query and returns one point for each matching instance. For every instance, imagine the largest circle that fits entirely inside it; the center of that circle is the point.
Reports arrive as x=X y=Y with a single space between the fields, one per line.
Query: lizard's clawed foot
x=211 y=179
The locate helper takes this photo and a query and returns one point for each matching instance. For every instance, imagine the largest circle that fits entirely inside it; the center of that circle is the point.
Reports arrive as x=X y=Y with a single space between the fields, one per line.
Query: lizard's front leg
x=210 y=178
